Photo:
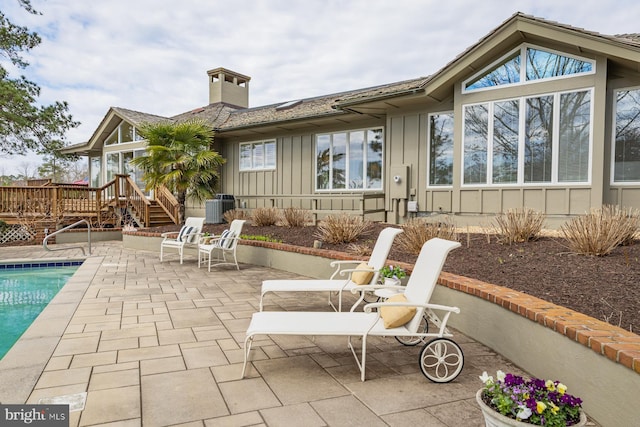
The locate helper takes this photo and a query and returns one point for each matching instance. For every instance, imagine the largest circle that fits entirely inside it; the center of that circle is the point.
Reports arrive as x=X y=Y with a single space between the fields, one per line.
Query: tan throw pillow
x=394 y=317
x=362 y=277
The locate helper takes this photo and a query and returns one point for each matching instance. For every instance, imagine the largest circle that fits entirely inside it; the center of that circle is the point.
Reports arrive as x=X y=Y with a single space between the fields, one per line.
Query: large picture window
x=540 y=139
x=538 y=64
x=349 y=160
x=441 y=149
x=258 y=155
x=626 y=140
x=123 y=134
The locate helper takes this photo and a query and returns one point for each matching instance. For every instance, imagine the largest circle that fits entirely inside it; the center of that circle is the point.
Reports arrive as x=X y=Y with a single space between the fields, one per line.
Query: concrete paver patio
x=158 y=344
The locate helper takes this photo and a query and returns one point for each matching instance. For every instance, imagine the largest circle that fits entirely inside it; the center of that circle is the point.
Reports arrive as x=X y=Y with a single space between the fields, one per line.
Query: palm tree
x=179 y=156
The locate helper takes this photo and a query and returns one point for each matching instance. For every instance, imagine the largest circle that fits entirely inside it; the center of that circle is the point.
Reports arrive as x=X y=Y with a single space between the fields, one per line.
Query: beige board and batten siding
x=292 y=182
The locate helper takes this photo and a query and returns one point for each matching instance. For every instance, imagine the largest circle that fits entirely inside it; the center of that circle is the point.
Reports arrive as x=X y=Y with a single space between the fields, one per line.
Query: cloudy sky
x=152 y=55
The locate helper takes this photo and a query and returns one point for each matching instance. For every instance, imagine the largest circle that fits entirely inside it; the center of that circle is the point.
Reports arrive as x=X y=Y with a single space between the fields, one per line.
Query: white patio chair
x=441 y=359
x=189 y=234
x=223 y=245
x=360 y=273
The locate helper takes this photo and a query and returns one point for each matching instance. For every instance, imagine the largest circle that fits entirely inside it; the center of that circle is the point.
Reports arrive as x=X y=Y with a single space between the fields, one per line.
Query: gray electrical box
x=215 y=209
x=399 y=186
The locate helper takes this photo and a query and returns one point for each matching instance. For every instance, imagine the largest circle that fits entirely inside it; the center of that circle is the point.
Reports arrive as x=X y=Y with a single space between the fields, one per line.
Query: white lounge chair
x=441 y=359
x=223 y=245
x=189 y=234
x=360 y=273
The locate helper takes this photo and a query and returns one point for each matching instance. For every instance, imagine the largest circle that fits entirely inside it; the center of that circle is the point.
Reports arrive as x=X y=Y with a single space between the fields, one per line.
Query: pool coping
x=23 y=364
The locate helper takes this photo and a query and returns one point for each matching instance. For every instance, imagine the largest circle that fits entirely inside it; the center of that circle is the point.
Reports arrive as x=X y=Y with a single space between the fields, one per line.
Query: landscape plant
x=601 y=230
x=533 y=401
x=296 y=217
x=232 y=214
x=179 y=157
x=519 y=225
x=265 y=217
x=393 y=271
x=418 y=230
x=341 y=228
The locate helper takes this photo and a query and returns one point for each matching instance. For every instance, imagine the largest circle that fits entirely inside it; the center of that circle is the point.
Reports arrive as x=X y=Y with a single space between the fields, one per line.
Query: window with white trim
x=539 y=64
x=349 y=160
x=440 y=149
x=258 y=155
x=124 y=133
x=626 y=140
x=537 y=139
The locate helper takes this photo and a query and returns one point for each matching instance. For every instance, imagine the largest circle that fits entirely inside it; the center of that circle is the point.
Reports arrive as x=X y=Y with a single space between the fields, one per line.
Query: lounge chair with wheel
x=188 y=235
x=224 y=246
x=360 y=273
x=440 y=360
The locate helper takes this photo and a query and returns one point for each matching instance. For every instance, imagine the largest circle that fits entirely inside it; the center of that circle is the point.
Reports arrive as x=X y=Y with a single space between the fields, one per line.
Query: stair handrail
x=135 y=198
x=44 y=241
x=168 y=202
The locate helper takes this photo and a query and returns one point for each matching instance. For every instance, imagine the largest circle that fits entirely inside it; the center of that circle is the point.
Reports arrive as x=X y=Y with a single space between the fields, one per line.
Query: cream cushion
x=394 y=317
x=362 y=277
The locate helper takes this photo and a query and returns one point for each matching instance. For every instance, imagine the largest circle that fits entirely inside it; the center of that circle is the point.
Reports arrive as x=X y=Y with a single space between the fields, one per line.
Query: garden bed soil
x=606 y=288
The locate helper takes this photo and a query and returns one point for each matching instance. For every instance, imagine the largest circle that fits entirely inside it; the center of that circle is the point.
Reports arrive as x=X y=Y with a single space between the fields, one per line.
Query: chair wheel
x=441 y=360
x=410 y=341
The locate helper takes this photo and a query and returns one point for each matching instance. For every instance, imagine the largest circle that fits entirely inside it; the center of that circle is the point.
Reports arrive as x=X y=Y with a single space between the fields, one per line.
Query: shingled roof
x=137 y=118
x=320 y=106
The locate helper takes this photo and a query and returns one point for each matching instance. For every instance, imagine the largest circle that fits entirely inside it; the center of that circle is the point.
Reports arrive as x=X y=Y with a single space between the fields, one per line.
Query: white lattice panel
x=15 y=233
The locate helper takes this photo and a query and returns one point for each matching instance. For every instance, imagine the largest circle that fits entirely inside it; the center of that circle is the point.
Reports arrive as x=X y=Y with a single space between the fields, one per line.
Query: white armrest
x=368 y=308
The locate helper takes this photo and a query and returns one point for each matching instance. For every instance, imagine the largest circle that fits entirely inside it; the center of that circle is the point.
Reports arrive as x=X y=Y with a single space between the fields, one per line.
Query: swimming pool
x=25 y=290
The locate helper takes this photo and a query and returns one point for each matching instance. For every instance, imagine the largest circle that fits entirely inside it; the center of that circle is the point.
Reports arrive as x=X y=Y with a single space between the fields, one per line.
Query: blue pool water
x=25 y=290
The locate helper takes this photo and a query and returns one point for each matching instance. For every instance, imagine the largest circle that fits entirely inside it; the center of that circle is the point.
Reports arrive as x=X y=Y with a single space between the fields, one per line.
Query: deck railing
x=362 y=204
x=64 y=203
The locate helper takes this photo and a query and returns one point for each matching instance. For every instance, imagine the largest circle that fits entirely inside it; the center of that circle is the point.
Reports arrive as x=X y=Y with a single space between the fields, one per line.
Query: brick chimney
x=229 y=87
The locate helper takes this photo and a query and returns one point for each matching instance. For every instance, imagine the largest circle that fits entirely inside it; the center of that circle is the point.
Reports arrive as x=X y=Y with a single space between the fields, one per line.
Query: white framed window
x=542 y=139
x=626 y=138
x=440 y=149
x=350 y=160
x=124 y=133
x=526 y=64
x=258 y=155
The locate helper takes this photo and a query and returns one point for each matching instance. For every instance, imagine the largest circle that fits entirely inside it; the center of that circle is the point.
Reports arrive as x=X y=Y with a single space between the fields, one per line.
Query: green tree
x=179 y=156
x=25 y=125
x=57 y=166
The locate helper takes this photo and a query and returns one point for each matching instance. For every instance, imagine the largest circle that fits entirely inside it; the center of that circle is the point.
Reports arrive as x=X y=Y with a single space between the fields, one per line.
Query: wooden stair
x=157 y=216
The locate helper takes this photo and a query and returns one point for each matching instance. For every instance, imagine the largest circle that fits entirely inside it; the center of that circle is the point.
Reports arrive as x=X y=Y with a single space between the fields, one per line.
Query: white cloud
x=152 y=55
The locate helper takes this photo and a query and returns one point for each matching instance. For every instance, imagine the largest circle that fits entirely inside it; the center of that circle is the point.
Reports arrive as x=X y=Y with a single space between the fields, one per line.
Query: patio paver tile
x=179 y=397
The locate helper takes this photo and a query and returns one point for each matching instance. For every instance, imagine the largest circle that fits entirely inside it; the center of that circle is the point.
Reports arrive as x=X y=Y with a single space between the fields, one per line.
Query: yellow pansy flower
x=562 y=389
x=540 y=407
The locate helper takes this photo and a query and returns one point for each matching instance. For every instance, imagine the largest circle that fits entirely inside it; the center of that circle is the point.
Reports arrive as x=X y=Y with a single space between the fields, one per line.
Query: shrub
x=601 y=230
x=341 y=228
x=296 y=217
x=519 y=225
x=232 y=214
x=418 y=230
x=265 y=217
x=359 y=249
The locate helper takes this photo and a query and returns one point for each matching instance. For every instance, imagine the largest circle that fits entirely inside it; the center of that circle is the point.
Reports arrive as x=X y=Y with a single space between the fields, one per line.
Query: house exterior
x=536 y=114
